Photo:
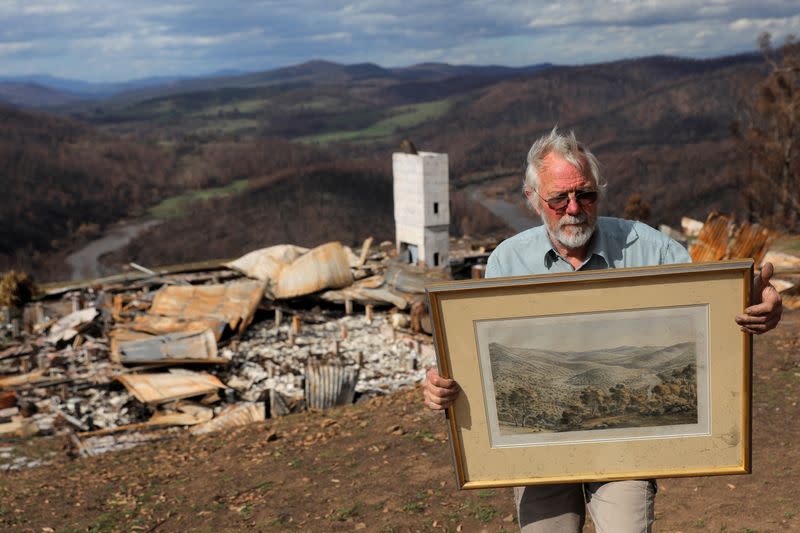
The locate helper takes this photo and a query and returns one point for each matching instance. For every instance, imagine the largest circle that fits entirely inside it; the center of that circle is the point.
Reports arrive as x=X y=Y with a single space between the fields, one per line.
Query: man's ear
x=533 y=200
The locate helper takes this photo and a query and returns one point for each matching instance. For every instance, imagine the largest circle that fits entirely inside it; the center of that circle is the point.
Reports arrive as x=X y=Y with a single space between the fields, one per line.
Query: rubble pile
x=270 y=358
x=114 y=362
x=138 y=357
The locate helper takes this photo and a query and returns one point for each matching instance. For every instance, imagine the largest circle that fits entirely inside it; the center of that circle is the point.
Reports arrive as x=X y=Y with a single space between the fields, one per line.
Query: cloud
x=338 y=36
x=773 y=25
x=14 y=47
x=130 y=38
x=654 y=13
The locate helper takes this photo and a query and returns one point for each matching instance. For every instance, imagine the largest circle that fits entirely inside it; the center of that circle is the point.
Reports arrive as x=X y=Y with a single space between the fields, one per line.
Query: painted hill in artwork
x=547 y=390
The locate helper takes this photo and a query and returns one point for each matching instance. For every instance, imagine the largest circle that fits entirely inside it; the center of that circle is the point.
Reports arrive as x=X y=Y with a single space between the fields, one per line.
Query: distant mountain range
x=659 y=125
x=42 y=91
x=556 y=375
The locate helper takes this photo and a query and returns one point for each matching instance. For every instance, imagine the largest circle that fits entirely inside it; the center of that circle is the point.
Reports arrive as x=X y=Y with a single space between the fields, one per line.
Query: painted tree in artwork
x=593 y=400
x=519 y=407
x=620 y=398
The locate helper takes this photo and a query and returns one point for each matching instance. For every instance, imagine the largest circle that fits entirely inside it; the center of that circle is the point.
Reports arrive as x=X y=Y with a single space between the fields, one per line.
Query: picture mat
x=723 y=451
x=654 y=327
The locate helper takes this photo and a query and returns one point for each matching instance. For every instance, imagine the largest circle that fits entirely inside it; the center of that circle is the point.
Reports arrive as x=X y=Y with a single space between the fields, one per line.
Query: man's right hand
x=439 y=392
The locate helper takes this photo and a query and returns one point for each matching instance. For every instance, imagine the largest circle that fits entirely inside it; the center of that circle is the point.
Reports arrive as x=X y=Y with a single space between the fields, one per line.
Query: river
x=85 y=263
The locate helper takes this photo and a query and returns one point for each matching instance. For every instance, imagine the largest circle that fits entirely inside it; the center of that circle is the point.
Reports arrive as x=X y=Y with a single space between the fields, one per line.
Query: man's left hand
x=765 y=311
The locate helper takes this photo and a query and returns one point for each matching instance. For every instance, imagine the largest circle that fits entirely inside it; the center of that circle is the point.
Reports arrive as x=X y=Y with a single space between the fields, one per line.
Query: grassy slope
x=403 y=117
x=176 y=206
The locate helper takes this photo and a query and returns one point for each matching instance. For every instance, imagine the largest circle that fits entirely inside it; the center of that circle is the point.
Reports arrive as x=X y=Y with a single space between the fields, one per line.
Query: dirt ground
x=380 y=465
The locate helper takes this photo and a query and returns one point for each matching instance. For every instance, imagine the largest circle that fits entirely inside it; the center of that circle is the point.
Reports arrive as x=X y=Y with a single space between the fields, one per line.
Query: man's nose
x=573 y=207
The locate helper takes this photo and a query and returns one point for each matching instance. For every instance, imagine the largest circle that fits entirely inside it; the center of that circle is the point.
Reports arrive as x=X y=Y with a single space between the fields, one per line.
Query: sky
x=643 y=327
x=119 y=40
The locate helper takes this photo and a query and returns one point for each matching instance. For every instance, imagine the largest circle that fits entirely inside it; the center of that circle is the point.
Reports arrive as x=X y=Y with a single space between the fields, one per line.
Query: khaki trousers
x=615 y=506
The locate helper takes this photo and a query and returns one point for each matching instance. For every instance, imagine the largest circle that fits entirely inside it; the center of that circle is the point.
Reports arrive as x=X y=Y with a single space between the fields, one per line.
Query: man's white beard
x=575 y=236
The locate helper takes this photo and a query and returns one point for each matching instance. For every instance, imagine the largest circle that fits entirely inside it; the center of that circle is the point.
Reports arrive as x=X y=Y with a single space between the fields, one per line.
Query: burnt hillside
x=306 y=206
x=659 y=125
x=61 y=178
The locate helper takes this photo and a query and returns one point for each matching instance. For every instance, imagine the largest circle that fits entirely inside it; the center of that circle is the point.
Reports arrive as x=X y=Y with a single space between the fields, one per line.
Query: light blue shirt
x=616 y=243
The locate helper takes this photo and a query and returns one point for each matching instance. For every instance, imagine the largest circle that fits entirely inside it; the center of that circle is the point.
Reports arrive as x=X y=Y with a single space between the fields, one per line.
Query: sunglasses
x=561 y=201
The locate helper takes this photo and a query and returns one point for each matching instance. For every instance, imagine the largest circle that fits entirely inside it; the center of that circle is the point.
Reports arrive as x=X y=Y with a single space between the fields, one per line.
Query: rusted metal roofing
x=368 y=291
x=18 y=426
x=233 y=303
x=411 y=278
x=240 y=414
x=169 y=386
x=691 y=227
x=780 y=260
x=266 y=264
x=362 y=257
x=324 y=267
x=22 y=379
x=751 y=240
x=69 y=326
x=186 y=414
x=712 y=241
x=330 y=385
x=158 y=325
x=200 y=347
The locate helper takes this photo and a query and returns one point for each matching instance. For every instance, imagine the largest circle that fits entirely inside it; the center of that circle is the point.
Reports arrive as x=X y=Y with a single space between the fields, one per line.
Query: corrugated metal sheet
x=22 y=379
x=158 y=325
x=19 y=427
x=691 y=227
x=187 y=415
x=233 y=416
x=324 y=267
x=712 y=242
x=410 y=278
x=200 y=347
x=780 y=260
x=266 y=264
x=233 y=303
x=330 y=385
x=365 y=295
x=751 y=240
x=362 y=257
x=69 y=326
x=166 y=387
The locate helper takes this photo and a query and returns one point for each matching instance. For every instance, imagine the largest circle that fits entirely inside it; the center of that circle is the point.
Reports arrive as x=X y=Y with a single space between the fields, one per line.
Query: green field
x=320 y=103
x=240 y=106
x=405 y=116
x=175 y=206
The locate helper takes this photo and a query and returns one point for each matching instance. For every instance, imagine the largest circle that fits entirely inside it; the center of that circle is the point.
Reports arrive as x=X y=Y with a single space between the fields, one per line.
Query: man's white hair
x=568 y=147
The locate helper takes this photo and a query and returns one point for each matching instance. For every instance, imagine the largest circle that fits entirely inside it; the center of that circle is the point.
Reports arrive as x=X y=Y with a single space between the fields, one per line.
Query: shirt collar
x=598 y=246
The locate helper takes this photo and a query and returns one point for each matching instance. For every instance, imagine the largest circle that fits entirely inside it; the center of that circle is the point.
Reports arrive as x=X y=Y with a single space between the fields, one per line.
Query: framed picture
x=598 y=375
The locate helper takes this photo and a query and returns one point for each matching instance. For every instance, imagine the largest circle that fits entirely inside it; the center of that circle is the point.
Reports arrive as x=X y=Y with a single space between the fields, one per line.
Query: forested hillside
x=307 y=142
x=61 y=180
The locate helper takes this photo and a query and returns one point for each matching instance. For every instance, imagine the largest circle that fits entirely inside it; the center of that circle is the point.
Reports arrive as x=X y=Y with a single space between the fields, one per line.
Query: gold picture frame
x=599 y=375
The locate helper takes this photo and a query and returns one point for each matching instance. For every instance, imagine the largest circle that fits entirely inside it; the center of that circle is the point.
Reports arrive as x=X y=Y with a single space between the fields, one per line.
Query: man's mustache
x=572 y=219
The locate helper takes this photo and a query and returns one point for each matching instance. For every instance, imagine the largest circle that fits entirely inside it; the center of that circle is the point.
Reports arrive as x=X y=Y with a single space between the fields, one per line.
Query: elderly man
x=563 y=184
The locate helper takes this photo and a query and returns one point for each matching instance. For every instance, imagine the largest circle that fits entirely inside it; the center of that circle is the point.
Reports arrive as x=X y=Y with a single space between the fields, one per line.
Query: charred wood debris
x=110 y=363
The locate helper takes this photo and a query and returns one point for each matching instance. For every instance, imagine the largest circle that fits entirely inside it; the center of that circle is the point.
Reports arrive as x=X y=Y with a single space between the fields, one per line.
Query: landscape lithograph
x=632 y=374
